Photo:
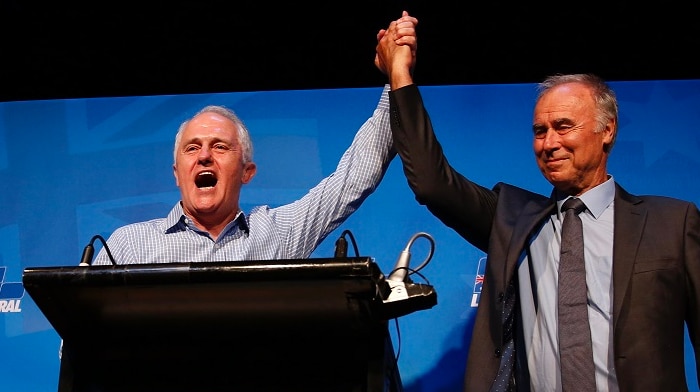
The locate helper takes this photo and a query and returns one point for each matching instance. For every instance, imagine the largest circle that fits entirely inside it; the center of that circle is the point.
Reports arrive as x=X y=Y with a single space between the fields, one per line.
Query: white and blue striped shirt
x=289 y=231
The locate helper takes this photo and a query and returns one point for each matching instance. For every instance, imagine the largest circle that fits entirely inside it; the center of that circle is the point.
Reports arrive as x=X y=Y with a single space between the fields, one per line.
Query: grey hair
x=243 y=135
x=604 y=96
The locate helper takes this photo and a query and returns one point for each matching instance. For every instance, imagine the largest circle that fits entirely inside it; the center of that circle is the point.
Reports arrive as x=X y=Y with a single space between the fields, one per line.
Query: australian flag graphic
x=478 y=282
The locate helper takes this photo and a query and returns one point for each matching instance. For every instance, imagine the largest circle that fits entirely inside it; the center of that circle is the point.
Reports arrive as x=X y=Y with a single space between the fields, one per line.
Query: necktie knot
x=573 y=203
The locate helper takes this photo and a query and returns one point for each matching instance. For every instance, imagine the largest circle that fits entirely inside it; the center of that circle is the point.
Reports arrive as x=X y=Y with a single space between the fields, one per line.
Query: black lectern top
x=138 y=299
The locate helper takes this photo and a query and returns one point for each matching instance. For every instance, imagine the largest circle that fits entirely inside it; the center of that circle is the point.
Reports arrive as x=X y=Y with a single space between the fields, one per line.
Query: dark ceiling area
x=64 y=50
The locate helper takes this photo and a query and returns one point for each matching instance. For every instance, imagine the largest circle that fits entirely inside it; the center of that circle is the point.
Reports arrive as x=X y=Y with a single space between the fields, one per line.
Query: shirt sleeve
x=304 y=224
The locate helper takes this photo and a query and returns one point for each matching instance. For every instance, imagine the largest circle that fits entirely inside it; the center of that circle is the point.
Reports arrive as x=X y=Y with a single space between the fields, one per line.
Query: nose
x=551 y=140
x=204 y=155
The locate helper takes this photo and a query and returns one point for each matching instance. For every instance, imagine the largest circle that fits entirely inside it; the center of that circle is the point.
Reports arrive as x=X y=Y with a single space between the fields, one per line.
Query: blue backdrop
x=75 y=168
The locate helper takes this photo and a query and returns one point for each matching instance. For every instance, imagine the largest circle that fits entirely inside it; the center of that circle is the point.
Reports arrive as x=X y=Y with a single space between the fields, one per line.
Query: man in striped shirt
x=213 y=159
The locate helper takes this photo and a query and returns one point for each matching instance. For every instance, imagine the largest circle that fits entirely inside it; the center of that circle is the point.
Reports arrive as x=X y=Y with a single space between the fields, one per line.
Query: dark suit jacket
x=656 y=258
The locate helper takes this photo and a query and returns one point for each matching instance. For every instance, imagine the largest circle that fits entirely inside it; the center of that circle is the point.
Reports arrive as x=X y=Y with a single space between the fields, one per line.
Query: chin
x=559 y=183
x=205 y=206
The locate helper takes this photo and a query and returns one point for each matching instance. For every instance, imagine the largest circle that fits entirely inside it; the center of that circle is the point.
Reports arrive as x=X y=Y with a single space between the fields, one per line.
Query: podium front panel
x=291 y=325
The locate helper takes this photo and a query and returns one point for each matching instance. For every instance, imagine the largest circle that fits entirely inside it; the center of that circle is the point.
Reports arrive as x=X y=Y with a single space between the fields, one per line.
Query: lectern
x=274 y=325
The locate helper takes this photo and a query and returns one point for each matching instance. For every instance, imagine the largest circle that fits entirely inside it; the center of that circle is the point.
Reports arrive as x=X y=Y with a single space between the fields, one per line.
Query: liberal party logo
x=10 y=294
x=478 y=282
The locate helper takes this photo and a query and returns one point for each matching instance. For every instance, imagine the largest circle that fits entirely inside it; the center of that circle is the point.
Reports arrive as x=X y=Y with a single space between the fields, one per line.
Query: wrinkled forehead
x=566 y=100
x=209 y=125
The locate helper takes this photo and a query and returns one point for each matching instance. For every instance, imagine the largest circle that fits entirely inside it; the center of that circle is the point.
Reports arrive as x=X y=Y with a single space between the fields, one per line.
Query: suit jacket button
x=501 y=296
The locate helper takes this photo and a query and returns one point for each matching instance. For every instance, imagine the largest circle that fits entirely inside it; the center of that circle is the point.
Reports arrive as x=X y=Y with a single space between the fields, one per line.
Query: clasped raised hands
x=396 y=50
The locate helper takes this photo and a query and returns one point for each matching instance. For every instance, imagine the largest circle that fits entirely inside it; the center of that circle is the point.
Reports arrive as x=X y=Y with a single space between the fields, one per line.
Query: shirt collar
x=177 y=220
x=596 y=199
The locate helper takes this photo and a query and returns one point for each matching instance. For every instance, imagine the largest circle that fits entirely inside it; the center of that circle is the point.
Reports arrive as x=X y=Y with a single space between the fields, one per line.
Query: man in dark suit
x=642 y=253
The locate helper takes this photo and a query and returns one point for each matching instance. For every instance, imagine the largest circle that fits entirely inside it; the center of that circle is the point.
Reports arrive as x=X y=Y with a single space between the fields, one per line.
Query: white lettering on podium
x=10 y=306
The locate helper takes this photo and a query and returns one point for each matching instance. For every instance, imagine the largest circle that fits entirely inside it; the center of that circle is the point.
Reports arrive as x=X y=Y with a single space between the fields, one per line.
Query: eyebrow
x=562 y=121
x=557 y=122
x=200 y=140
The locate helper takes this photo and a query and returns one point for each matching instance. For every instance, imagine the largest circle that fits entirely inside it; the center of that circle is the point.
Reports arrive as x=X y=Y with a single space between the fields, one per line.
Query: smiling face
x=209 y=169
x=570 y=148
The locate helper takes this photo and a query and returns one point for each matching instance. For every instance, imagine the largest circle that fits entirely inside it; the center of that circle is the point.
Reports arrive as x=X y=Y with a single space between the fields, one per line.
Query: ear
x=177 y=183
x=248 y=172
x=609 y=134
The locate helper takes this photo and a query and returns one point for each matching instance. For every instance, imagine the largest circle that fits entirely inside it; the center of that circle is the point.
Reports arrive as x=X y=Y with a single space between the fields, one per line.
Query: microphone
x=404 y=295
x=341 y=248
x=89 y=251
x=400 y=270
x=86 y=260
x=341 y=245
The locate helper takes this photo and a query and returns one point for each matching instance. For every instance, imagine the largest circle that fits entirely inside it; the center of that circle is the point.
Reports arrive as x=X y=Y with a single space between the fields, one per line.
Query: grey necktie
x=575 y=351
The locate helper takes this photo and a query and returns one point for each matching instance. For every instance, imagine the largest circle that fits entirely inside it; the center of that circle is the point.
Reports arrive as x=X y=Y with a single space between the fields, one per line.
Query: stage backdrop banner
x=75 y=168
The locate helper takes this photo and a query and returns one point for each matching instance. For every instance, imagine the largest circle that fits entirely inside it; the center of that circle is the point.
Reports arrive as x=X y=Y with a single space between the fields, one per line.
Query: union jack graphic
x=478 y=281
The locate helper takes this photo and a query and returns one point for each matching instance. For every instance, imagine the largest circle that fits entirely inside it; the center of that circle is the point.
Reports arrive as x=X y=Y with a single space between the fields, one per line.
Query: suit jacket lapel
x=531 y=217
x=630 y=216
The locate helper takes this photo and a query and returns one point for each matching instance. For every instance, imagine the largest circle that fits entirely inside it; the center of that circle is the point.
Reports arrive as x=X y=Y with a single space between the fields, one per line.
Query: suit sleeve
x=462 y=205
x=692 y=265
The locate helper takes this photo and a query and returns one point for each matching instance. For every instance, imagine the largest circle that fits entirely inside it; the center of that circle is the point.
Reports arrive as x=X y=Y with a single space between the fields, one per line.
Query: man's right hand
x=396 y=50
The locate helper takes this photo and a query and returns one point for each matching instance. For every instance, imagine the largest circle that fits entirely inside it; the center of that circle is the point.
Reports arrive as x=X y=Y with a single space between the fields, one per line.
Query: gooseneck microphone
x=401 y=268
x=341 y=245
x=89 y=251
x=406 y=296
x=341 y=248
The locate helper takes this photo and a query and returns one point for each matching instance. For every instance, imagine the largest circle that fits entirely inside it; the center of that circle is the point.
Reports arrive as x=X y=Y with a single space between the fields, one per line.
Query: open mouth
x=205 y=179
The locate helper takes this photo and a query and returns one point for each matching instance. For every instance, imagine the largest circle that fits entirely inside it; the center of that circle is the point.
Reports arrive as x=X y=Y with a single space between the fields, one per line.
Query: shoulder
x=651 y=201
x=657 y=206
x=157 y=225
x=664 y=200
x=515 y=193
x=666 y=206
